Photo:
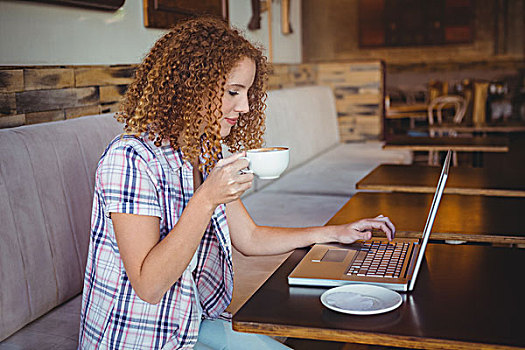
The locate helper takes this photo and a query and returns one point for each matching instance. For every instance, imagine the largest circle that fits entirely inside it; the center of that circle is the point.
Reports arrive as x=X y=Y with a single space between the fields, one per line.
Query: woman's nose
x=244 y=105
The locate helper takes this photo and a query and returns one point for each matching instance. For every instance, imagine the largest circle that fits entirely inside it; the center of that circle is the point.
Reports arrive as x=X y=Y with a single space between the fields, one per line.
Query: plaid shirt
x=136 y=177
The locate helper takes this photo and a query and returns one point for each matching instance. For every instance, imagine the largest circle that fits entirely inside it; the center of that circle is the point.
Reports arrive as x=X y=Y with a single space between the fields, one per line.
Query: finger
x=378 y=225
x=231 y=159
x=239 y=189
x=391 y=227
x=240 y=179
x=245 y=187
x=387 y=221
x=239 y=165
x=245 y=178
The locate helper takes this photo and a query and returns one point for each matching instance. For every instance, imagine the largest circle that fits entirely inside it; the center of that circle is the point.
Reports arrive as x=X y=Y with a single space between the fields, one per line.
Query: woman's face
x=235 y=99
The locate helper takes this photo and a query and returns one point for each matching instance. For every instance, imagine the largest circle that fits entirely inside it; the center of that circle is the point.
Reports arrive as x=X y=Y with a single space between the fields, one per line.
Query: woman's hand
x=362 y=229
x=226 y=183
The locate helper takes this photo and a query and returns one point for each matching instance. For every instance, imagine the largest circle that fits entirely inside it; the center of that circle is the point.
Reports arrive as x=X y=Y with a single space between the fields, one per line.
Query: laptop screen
x=430 y=219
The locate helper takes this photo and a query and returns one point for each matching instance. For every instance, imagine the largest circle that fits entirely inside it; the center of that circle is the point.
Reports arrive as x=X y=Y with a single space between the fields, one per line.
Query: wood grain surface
x=462 y=144
x=462 y=180
x=472 y=218
x=466 y=297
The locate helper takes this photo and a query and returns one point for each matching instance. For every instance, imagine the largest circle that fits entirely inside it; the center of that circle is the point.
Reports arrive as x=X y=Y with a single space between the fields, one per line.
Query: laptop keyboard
x=379 y=259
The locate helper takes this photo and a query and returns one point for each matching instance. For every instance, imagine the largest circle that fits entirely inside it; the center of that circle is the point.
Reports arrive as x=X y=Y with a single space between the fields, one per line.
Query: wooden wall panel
x=104 y=76
x=40 y=79
x=76 y=112
x=11 y=121
x=7 y=104
x=43 y=117
x=43 y=94
x=43 y=100
x=109 y=107
x=112 y=93
x=302 y=74
x=11 y=80
x=359 y=92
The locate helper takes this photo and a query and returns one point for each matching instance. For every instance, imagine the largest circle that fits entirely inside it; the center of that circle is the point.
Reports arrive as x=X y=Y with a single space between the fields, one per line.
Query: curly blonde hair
x=178 y=88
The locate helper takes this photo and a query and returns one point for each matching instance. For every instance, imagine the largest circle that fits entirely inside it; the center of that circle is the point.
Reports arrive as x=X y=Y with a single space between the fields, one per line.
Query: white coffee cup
x=268 y=162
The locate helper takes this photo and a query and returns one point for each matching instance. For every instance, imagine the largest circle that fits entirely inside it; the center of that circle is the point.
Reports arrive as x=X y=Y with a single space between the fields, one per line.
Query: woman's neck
x=197 y=175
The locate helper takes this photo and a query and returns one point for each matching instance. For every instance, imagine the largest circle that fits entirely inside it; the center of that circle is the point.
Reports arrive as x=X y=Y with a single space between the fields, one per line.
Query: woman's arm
x=153 y=266
x=251 y=239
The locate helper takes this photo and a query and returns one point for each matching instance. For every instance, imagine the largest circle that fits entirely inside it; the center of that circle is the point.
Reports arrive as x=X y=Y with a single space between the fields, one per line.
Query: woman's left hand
x=362 y=229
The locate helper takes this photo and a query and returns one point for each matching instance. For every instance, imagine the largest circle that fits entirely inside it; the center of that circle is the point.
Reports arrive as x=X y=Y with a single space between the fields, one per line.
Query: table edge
x=449 y=147
x=370 y=338
x=449 y=190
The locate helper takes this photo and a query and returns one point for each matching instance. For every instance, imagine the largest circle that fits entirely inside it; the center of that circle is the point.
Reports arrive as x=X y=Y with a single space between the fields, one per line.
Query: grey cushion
x=57 y=330
x=46 y=188
x=337 y=171
x=292 y=210
x=303 y=119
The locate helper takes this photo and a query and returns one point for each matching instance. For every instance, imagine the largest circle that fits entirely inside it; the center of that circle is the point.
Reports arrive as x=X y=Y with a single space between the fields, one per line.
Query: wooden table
x=466 y=297
x=444 y=143
x=410 y=111
x=477 y=145
x=462 y=180
x=473 y=218
x=407 y=108
x=481 y=129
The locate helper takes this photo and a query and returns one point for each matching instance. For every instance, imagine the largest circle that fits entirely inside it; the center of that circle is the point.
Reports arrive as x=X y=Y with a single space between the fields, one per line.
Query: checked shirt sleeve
x=126 y=182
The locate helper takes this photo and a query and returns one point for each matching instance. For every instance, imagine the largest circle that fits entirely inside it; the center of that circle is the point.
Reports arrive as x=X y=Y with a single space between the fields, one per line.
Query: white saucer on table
x=361 y=299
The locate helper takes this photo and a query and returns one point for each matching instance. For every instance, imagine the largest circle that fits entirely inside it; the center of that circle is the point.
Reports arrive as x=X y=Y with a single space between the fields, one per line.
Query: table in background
x=477 y=145
x=472 y=218
x=479 y=129
x=466 y=297
x=410 y=111
x=462 y=180
x=444 y=143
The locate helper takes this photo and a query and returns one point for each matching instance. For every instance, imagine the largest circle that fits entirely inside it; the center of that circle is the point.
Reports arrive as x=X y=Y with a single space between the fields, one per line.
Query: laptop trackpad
x=334 y=255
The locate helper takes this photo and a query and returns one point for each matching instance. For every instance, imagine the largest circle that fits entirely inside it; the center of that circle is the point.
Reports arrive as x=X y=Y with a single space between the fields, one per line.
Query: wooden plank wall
x=30 y=95
x=359 y=91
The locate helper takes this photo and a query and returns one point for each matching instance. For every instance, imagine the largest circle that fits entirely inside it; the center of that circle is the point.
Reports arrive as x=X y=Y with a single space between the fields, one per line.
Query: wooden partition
x=30 y=95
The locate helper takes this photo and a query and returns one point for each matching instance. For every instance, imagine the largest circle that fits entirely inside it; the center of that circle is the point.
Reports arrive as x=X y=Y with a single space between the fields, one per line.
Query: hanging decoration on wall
x=286 y=27
x=165 y=13
x=106 y=5
x=255 y=21
x=259 y=6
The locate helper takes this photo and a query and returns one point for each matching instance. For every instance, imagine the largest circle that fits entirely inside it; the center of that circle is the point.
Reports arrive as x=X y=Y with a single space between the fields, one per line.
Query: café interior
x=368 y=95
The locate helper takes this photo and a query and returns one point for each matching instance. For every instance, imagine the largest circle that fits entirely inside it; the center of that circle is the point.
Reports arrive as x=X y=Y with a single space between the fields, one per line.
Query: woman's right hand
x=226 y=183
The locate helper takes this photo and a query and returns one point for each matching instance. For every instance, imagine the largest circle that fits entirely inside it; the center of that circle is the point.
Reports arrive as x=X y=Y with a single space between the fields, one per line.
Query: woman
x=167 y=208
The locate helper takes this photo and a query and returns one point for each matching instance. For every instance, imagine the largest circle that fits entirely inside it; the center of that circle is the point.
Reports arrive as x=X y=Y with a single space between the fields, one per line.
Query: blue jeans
x=219 y=335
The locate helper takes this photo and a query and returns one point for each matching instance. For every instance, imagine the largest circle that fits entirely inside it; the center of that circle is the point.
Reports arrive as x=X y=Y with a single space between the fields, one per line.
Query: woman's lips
x=231 y=121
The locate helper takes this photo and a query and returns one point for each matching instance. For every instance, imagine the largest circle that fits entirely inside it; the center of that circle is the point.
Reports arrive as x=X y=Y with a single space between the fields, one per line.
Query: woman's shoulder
x=131 y=146
x=140 y=148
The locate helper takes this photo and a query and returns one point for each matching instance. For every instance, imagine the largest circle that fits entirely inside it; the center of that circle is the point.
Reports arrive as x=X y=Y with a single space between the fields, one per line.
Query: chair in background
x=435 y=89
x=435 y=108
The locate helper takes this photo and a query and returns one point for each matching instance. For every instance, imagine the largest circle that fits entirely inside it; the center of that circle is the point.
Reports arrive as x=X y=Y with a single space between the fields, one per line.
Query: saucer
x=361 y=299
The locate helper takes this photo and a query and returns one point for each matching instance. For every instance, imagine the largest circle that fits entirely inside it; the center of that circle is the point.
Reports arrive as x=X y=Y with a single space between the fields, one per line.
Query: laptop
x=394 y=265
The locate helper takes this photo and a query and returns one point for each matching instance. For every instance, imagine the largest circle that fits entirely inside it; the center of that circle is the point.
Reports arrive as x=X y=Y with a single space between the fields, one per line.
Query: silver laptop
x=393 y=265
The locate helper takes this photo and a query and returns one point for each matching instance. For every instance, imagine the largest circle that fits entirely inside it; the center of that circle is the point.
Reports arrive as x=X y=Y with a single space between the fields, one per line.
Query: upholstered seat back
x=303 y=119
x=46 y=190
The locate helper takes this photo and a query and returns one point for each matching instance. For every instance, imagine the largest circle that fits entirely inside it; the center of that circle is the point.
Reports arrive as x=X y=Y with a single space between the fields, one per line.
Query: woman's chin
x=225 y=132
